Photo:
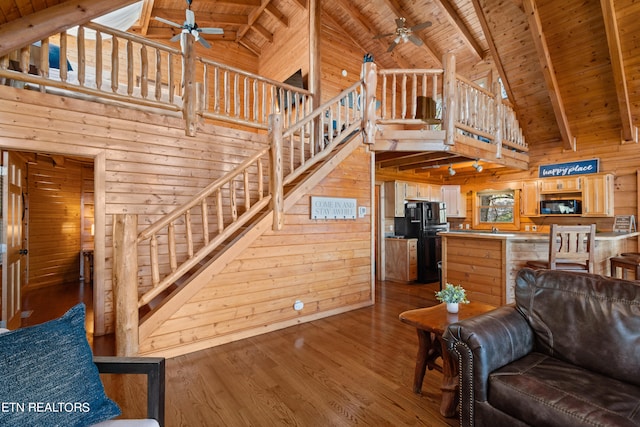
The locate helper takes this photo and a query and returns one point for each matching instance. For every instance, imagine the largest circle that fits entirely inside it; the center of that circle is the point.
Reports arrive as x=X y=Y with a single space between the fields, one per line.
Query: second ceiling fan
x=404 y=33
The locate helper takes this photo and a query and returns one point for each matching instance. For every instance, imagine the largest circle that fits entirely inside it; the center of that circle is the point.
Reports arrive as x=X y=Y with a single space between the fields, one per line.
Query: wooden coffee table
x=430 y=323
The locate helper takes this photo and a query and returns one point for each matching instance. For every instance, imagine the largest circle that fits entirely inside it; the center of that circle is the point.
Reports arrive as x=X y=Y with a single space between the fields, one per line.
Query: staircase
x=185 y=250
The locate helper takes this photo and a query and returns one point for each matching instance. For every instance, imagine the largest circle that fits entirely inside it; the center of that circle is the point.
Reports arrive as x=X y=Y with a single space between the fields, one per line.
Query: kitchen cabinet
x=396 y=192
x=530 y=198
x=594 y=191
x=561 y=185
x=394 y=195
x=597 y=195
x=401 y=259
x=455 y=201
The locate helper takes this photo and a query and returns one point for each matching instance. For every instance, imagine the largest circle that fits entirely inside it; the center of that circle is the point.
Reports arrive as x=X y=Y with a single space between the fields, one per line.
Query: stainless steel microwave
x=560 y=207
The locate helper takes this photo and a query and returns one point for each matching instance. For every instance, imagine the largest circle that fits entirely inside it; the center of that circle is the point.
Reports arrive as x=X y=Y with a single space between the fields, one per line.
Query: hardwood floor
x=351 y=369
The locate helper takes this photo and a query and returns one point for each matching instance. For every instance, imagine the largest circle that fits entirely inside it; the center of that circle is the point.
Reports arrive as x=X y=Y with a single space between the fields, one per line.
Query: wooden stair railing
x=210 y=206
x=291 y=152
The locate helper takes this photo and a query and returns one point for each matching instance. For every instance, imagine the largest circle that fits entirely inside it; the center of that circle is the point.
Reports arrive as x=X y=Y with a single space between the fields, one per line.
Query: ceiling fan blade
x=176 y=37
x=415 y=40
x=166 y=21
x=211 y=30
x=380 y=36
x=421 y=26
x=191 y=18
x=392 y=46
x=204 y=43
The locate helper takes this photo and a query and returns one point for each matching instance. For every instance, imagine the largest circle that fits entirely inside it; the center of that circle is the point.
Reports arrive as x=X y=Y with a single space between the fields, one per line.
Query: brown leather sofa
x=566 y=354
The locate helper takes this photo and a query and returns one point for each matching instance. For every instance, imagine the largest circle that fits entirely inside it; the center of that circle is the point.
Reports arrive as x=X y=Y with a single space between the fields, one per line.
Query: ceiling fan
x=404 y=33
x=191 y=27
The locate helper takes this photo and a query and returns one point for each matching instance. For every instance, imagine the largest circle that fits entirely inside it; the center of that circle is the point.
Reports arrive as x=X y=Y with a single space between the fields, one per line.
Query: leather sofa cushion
x=589 y=320
x=542 y=390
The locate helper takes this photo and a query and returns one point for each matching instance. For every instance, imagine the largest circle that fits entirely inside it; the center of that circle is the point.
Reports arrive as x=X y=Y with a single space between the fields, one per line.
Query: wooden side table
x=430 y=324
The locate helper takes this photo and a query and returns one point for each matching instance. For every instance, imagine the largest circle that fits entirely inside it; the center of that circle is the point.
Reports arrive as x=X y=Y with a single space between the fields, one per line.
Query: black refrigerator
x=424 y=220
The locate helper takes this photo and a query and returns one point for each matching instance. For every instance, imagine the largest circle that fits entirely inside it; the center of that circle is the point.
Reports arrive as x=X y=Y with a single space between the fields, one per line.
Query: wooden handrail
x=177 y=270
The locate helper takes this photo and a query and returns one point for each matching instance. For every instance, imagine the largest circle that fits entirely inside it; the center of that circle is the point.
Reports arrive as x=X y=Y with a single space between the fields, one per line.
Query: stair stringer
x=154 y=320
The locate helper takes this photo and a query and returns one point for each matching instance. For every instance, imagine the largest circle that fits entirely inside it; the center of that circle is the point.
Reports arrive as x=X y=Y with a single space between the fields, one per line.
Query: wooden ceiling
x=569 y=67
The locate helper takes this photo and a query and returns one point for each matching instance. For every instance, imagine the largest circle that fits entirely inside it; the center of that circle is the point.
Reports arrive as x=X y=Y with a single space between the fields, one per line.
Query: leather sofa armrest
x=481 y=345
x=152 y=367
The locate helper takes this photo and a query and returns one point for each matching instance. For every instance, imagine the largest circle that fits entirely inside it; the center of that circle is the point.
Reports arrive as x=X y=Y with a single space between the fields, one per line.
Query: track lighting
x=477 y=166
x=451 y=170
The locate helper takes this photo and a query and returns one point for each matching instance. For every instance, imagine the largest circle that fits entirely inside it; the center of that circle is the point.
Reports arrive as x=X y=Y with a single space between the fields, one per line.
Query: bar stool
x=626 y=262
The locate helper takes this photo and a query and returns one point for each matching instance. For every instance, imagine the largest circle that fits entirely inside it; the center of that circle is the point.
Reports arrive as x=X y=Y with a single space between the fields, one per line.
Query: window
x=496 y=208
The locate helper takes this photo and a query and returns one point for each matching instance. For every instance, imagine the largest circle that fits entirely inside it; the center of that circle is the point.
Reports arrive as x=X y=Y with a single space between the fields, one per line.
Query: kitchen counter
x=486 y=263
x=607 y=235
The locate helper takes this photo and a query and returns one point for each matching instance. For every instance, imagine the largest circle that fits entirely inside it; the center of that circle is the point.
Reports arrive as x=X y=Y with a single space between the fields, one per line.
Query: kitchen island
x=486 y=263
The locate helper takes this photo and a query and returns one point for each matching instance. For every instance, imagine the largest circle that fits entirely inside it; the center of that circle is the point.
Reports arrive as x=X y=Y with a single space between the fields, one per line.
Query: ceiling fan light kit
x=191 y=27
x=404 y=33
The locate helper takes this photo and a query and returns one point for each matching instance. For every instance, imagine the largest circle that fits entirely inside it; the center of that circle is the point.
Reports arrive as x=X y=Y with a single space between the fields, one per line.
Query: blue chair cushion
x=49 y=378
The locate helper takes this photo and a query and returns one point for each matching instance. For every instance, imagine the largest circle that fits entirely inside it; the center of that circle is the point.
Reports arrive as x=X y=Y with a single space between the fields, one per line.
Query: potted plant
x=452 y=295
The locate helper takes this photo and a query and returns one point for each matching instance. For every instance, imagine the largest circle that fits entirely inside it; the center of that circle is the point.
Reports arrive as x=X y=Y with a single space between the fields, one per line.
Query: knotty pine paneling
x=324 y=263
x=54 y=221
x=150 y=166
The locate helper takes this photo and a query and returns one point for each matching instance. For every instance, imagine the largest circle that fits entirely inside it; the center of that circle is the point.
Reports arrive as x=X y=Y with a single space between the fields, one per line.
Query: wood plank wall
x=54 y=221
x=326 y=264
x=149 y=166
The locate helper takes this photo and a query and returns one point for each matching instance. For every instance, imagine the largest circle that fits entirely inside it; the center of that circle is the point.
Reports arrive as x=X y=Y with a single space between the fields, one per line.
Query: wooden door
x=14 y=260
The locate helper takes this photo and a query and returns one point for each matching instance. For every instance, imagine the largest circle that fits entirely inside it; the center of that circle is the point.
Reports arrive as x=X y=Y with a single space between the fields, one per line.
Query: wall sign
x=571 y=168
x=624 y=224
x=333 y=208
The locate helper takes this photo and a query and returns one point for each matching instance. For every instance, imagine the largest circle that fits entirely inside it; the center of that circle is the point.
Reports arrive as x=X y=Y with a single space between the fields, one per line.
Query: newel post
x=449 y=97
x=370 y=82
x=125 y=283
x=276 y=172
x=499 y=118
x=189 y=87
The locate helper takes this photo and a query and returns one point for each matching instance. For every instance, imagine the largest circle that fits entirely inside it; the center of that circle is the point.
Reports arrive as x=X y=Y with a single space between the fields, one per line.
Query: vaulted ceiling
x=569 y=67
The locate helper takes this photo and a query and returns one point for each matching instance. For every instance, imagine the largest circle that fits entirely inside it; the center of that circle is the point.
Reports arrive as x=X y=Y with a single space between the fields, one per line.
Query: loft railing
x=237 y=96
x=108 y=64
x=102 y=63
x=445 y=100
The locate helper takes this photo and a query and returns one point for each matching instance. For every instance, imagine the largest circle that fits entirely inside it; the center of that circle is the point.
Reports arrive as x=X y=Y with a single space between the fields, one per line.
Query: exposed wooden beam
x=362 y=28
x=142 y=25
x=266 y=34
x=459 y=25
x=411 y=159
x=492 y=48
x=629 y=131
x=250 y=46
x=253 y=17
x=24 y=31
x=397 y=10
x=451 y=160
x=540 y=42
x=276 y=13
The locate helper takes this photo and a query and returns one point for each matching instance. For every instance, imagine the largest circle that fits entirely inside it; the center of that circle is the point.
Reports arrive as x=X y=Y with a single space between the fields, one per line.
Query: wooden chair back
x=572 y=244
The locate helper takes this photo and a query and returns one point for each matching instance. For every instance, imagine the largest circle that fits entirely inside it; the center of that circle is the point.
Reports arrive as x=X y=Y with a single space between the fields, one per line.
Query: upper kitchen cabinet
x=530 y=198
x=594 y=192
x=597 y=195
x=455 y=201
x=560 y=185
